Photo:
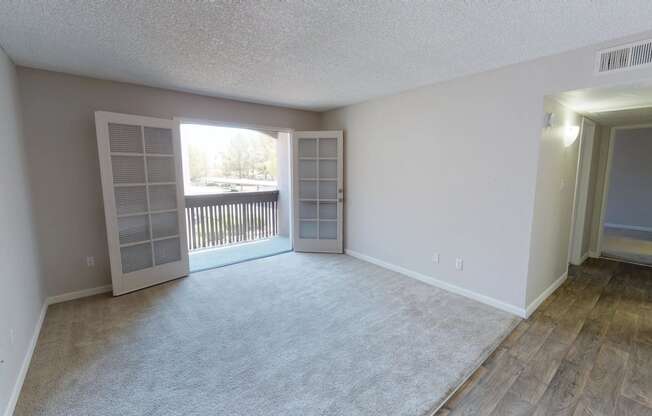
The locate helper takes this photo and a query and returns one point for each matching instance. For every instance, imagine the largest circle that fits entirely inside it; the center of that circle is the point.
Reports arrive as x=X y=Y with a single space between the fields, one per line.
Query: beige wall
x=62 y=151
x=22 y=292
x=453 y=168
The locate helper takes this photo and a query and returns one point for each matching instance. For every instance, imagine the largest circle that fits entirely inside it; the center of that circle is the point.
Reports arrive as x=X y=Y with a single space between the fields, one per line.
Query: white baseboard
x=37 y=330
x=13 y=399
x=440 y=284
x=78 y=294
x=544 y=295
x=628 y=227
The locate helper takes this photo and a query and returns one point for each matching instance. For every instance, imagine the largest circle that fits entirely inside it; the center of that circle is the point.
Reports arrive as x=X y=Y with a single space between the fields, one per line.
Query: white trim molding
x=544 y=295
x=581 y=192
x=18 y=385
x=440 y=284
x=628 y=227
x=64 y=297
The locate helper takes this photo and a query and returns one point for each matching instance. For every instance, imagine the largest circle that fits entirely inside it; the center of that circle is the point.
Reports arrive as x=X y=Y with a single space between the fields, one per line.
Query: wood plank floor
x=587 y=350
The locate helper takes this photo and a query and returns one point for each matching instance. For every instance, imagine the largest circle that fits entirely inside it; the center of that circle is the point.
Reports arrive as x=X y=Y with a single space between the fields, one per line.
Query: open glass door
x=142 y=185
x=318 y=191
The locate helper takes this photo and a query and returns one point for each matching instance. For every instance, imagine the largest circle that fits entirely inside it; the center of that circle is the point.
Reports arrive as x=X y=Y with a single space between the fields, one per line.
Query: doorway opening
x=612 y=213
x=237 y=193
x=627 y=218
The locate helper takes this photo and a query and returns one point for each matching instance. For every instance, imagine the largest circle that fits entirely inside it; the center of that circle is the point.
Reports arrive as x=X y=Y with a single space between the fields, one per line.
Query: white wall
x=431 y=170
x=22 y=294
x=453 y=167
x=553 y=203
x=62 y=151
x=284 y=187
x=629 y=200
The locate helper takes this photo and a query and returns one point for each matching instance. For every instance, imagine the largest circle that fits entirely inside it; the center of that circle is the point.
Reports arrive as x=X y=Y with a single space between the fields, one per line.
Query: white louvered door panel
x=318 y=191
x=142 y=185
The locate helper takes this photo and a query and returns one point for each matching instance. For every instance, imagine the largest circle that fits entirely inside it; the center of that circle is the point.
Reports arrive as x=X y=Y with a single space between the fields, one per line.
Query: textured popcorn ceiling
x=307 y=54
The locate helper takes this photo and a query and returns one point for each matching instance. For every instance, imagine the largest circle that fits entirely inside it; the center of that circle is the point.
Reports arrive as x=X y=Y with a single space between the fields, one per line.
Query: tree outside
x=225 y=159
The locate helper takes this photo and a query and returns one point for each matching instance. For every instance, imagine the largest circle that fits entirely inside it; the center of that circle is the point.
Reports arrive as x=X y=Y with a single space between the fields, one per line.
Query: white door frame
x=581 y=193
x=208 y=122
x=607 y=178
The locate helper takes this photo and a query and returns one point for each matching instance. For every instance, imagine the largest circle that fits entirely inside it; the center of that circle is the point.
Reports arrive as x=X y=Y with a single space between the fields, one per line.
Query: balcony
x=228 y=228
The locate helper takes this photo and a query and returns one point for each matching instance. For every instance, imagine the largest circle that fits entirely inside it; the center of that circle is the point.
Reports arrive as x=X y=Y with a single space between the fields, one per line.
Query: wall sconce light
x=548 y=120
x=570 y=134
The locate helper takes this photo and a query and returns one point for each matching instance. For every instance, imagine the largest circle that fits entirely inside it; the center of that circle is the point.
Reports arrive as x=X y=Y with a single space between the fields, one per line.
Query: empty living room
x=328 y=208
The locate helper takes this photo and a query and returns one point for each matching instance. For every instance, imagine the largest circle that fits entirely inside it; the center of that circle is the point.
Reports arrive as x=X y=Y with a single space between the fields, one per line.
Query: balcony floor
x=223 y=256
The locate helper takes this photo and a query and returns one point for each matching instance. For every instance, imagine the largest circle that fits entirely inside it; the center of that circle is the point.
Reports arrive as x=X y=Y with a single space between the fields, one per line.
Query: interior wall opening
x=612 y=214
x=627 y=225
x=237 y=193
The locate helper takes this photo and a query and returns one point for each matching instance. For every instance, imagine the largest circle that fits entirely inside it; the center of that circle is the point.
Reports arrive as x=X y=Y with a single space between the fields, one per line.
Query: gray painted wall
x=629 y=199
x=22 y=294
x=455 y=168
x=432 y=170
x=553 y=204
x=62 y=151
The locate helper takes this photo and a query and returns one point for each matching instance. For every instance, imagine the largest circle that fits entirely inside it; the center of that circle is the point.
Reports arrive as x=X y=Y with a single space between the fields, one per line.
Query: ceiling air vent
x=624 y=57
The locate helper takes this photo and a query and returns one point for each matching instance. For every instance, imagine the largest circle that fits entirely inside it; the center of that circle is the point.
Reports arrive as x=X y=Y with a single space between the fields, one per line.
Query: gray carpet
x=294 y=334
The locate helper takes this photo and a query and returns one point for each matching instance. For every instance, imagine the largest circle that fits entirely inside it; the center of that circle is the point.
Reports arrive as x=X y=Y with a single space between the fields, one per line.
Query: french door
x=318 y=191
x=142 y=185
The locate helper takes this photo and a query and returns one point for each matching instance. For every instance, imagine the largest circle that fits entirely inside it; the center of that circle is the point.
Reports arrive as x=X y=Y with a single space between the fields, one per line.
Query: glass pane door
x=142 y=162
x=139 y=164
x=319 y=190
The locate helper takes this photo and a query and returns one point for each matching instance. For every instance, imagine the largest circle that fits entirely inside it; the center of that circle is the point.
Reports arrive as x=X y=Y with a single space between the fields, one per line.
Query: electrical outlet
x=12 y=336
x=435 y=258
x=459 y=264
x=90 y=261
